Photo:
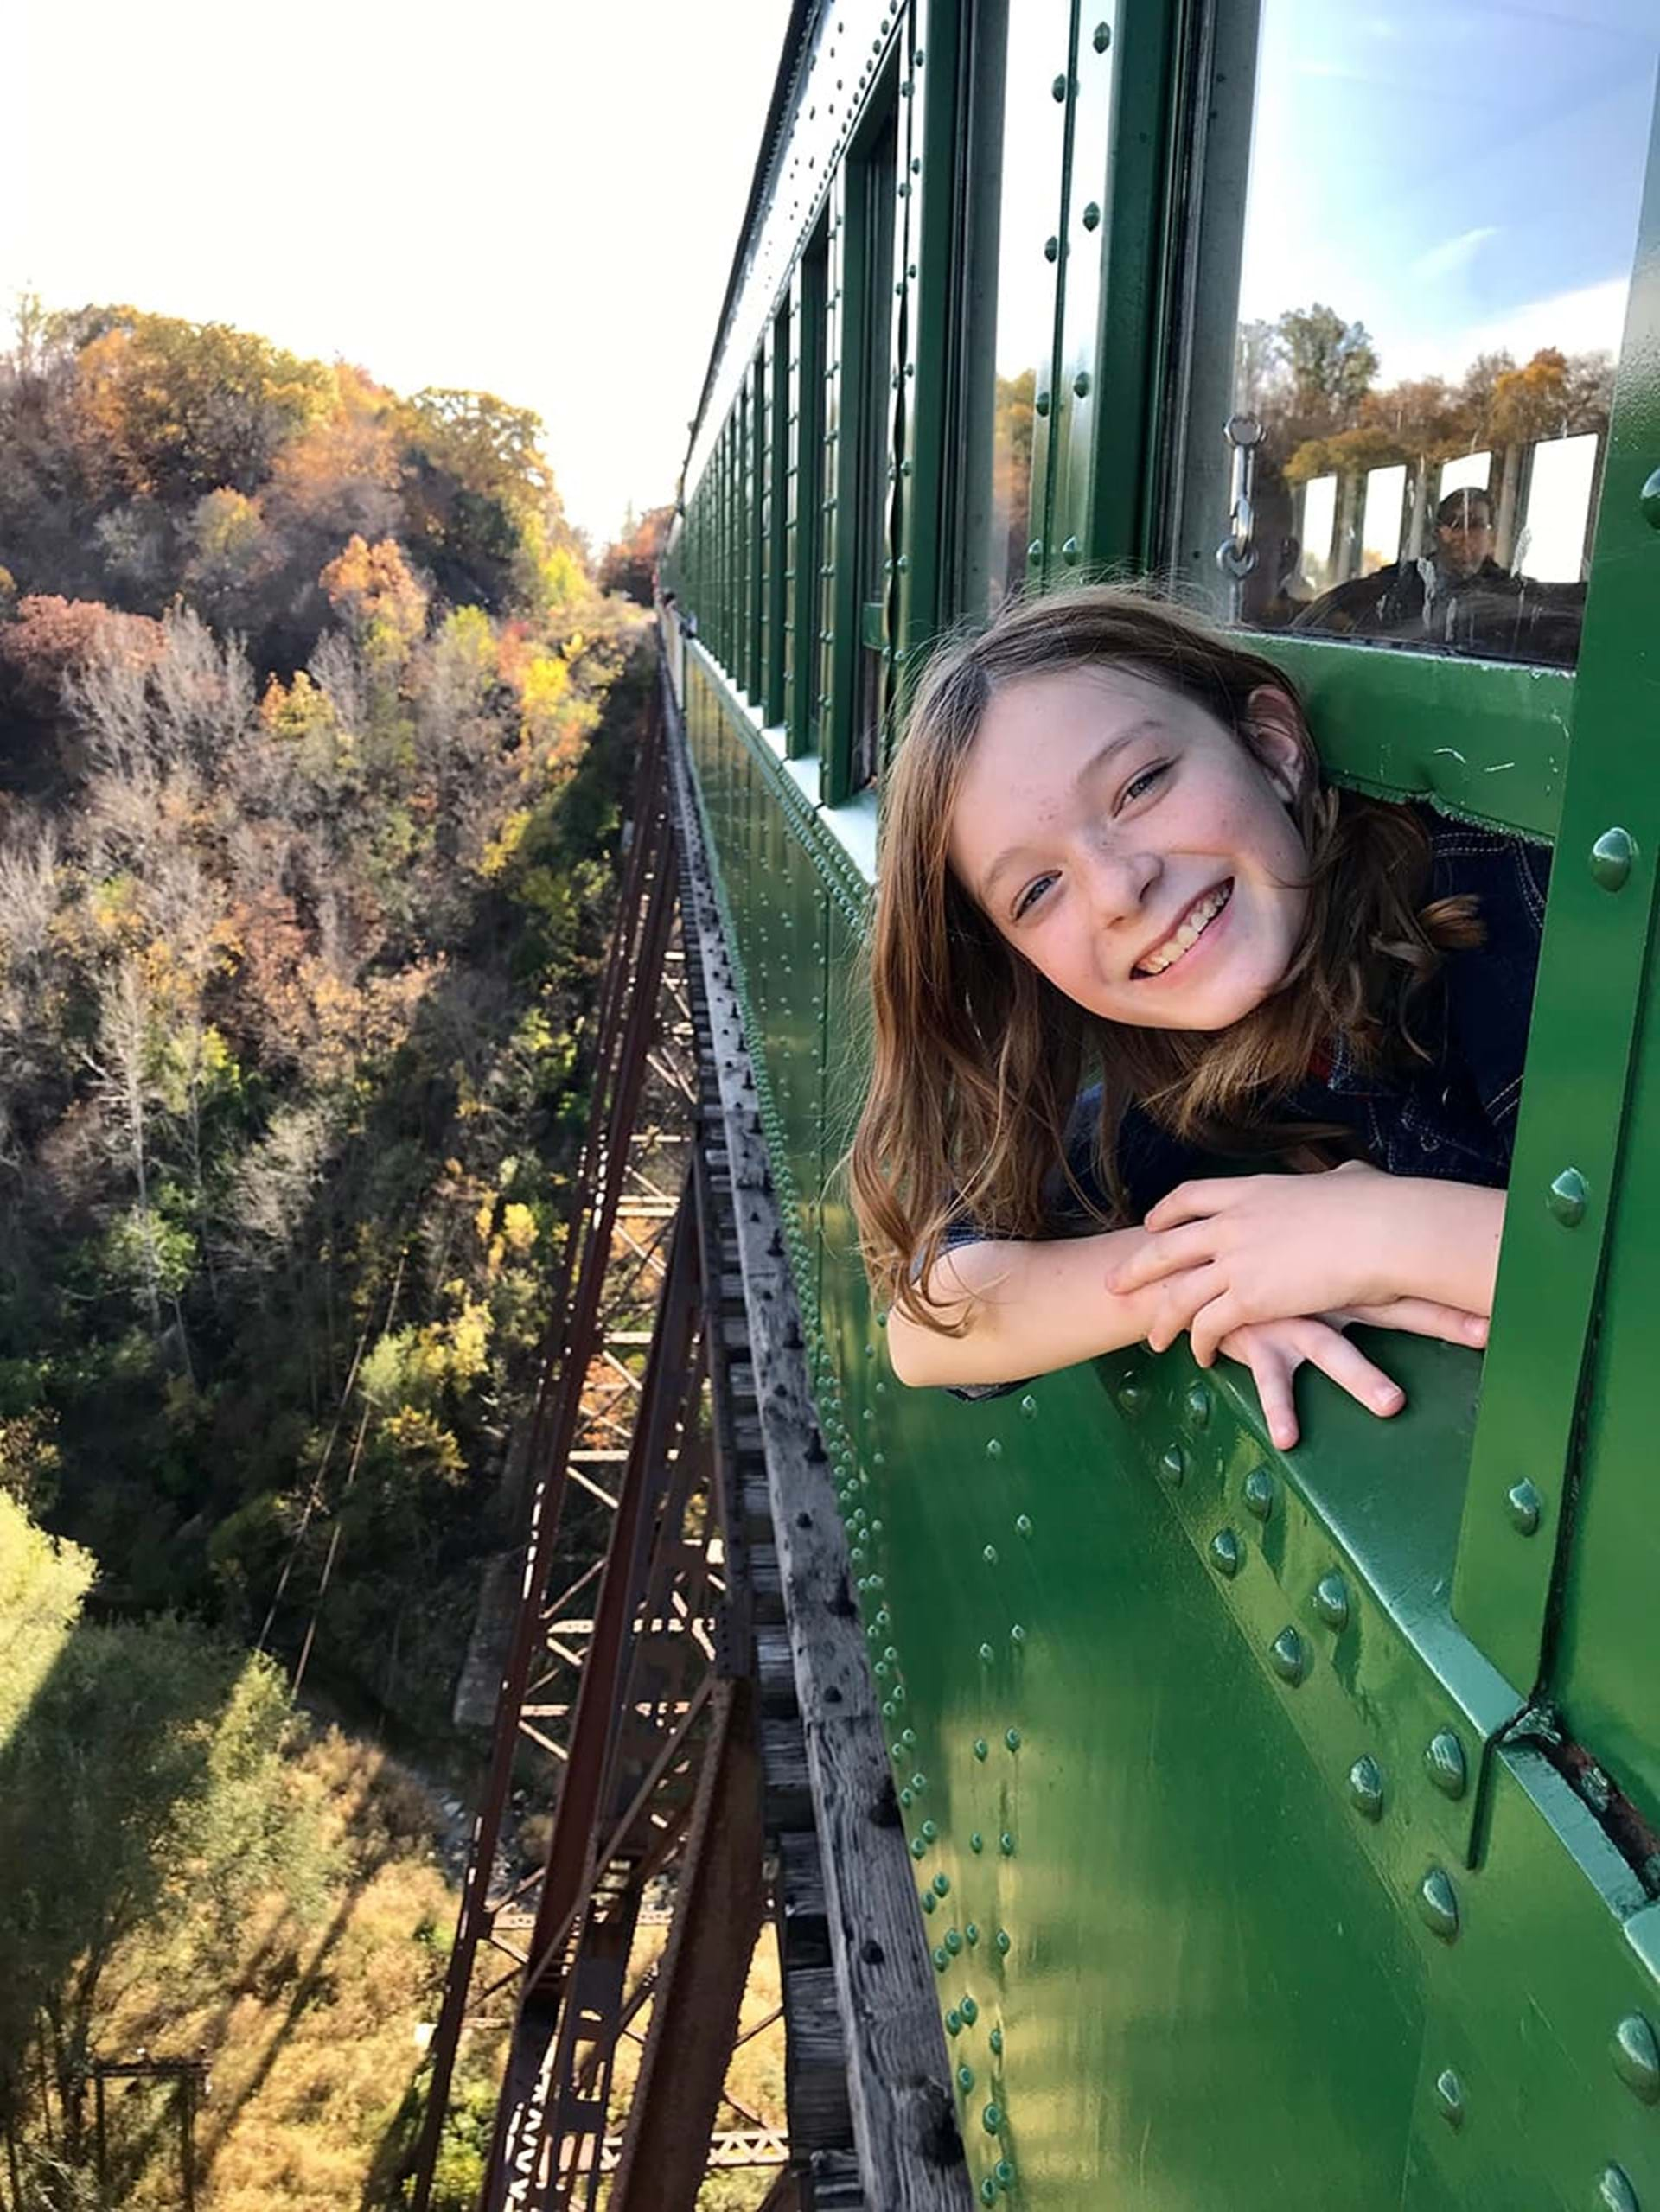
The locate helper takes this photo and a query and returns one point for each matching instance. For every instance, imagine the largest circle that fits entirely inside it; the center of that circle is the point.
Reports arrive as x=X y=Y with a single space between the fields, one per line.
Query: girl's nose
x=1119 y=882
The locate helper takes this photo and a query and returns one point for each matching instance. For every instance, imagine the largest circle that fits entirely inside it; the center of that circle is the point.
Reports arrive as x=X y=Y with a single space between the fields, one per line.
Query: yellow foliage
x=519 y=1227
x=500 y=849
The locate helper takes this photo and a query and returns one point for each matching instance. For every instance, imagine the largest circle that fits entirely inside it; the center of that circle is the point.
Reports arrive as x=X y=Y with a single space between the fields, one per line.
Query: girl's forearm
x=1027 y=1308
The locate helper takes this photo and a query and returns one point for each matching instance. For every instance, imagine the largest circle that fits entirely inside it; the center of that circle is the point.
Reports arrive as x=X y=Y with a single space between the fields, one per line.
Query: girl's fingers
x=1272 y=1374
x=1160 y=1256
x=1191 y=1202
x=1180 y=1298
x=1210 y=1324
x=1425 y=1317
x=1350 y=1369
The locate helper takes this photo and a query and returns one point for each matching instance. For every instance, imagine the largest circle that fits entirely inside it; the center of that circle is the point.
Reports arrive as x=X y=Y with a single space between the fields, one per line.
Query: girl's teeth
x=1199 y=919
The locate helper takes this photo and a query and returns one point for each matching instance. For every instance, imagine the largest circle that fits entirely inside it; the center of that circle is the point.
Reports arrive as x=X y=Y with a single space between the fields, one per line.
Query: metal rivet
x=1615 y=2193
x=1287 y=1656
x=990 y=1555
x=1040 y=405
x=1012 y=1737
x=1197 y=1402
x=1022 y=1524
x=986 y=1654
x=1648 y=500
x=930 y=1830
x=1444 y=1763
x=1525 y=1507
x=1567 y=1198
x=1131 y=1399
x=1003 y=1940
x=1437 y=1905
x=995 y=2039
x=917 y=1847
x=953 y=1941
x=942 y=1885
x=976 y=1843
x=1017 y=1634
x=1005 y=1844
x=1173 y=1461
x=993 y=1448
x=1611 y=858
x=1071 y=552
x=930 y=1903
x=1034 y=550
x=970 y=1933
x=1051 y=249
x=965 y=2077
x=988 y=2190
x=1057 y=89
x=1081 y=384
x=1003 y=2170
x=970 y=2010
x=981 y=1747
x=1029 y=1406
x=1092 y=217
x=1331 y=1600
x=1225 y=1553
x=941 y=1958
x=954 y=2022
x=1366 y=1788
x=992 y=2119
x=1103 y=37
x=1259 y=1492
x=1637 y=2058
x=1449 y=2094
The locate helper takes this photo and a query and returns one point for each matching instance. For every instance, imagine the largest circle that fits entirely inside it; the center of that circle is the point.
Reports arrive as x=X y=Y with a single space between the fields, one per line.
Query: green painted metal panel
x=1041 y=49
x=1521 y=2100
x=759 y=532
x=809 y=455
x=778 y=527
x=1081 y=407
x=1596 y=935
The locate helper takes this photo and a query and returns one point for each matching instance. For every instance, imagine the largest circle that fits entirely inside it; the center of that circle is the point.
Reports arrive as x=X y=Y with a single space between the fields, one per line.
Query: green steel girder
x=1045 y=50
x=1078 y=422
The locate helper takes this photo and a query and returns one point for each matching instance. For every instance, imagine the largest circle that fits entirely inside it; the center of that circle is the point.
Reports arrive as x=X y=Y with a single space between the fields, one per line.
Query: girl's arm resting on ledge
x=1251 y=1249
x=1029 y=1308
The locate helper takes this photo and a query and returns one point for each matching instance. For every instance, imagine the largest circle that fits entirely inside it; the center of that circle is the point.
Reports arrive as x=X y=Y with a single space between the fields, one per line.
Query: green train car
x=1287 y=1824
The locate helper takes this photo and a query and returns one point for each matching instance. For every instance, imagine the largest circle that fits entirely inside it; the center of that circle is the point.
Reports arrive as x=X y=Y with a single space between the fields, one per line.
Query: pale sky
x=538 y=198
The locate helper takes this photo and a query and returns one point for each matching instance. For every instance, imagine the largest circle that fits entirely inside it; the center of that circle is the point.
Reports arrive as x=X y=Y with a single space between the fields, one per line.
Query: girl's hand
x=1248 y=1249
x=1274 y=1350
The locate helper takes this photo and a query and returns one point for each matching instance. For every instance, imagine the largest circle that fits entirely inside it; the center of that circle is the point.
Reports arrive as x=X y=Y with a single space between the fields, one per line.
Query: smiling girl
x=1108 y=860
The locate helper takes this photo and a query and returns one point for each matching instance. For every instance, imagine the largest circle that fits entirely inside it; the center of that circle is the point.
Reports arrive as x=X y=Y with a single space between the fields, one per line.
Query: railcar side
x=1282 y=1823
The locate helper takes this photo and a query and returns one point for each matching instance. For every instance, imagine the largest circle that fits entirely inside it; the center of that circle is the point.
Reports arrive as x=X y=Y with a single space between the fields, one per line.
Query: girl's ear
x=1274 y=728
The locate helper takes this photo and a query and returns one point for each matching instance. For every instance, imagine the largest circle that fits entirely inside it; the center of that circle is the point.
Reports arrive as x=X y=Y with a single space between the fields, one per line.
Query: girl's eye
x=1030 y=896
x=1139 y=785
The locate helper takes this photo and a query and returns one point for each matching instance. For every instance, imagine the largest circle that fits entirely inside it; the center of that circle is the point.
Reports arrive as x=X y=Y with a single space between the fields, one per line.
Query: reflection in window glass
x=1438 y=240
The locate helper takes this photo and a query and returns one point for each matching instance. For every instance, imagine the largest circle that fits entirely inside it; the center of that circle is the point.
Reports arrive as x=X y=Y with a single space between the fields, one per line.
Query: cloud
x=1453 y=255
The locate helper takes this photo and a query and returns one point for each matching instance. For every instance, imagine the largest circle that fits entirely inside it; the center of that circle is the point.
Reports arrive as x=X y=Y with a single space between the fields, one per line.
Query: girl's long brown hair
x=978 y=1060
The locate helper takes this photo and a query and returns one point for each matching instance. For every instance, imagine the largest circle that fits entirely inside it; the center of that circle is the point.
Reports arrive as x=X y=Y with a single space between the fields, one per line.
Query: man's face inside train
x=1463 y=532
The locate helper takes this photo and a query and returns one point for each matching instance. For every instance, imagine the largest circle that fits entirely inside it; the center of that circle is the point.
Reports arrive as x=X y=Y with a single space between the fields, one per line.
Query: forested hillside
x=314 y=732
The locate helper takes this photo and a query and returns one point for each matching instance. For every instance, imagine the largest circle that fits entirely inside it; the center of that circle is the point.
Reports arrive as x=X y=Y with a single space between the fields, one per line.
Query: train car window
x=1016 y=144
x=1409 y=319
x=878 y=418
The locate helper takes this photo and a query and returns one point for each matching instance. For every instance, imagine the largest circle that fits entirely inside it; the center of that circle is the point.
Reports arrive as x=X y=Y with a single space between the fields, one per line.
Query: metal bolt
x=941 y=1958
x=995 y=2039
x=1525 y=1506
x=917 y=1847
x=1173 y=1461
x=1615 y=2193
x=1225 y=1553
x=993 y=1449
x=1040 y=405
x=1005 y=1844
x=1034 y=550
x=1017 y=1633
x=1611 y=858
x=990 y=1555
x=987 y=2191
x=1331 y=1600
x=1012 y=1737
x=1022 y=1524
x=954 y=2022
x=1103 y=37
x=1259 y=1492
x=953 y=1941
x=1198 y=1402
x=1366 y=1788
x=981 y=1747
x=930 y=1830
x=1092 y=216
x=992 y=2119
x=970 y=1933
x=1071 y=552
x=986 y=1654
x=1081 y=384
x=1051 y=249
x=930 y=1900
x=1437 y=1905
x=1003 y=2170
x=1444 y=1763
x=965 y=2077
x=970 y=2010
x=942 y=1885
x=1449 y=2094
x=1003 y=1940
x=1567 y=1198
x=1637 y=2058
x=1057 y=89
x=1287 y=1656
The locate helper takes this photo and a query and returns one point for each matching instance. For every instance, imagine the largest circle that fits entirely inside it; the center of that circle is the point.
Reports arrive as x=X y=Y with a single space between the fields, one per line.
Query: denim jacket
x=1452 y=1117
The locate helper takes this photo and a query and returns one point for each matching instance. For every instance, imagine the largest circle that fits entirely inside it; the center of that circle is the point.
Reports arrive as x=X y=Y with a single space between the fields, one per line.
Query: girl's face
x=1132 y=849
